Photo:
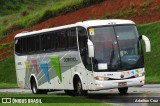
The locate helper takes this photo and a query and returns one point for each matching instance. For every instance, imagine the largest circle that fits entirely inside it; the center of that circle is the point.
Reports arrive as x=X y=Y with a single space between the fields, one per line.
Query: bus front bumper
x=109 y=84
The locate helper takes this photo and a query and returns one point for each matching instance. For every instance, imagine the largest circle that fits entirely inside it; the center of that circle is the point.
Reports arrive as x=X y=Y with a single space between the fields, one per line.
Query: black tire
x=69 y=92
x=78 y=88
x=123 y=91
x=43 y=91
x=34 y=88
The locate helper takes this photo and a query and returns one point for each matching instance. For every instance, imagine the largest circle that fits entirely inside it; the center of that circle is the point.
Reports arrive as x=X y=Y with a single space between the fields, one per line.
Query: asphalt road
x=147 y=92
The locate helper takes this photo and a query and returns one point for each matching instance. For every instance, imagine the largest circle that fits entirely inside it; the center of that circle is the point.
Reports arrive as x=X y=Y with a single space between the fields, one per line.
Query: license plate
x=122 y=83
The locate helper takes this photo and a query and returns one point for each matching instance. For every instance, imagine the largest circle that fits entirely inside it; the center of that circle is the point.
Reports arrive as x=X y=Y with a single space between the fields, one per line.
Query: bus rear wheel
x=123 y=91
x=78 y=88
x=34 y=88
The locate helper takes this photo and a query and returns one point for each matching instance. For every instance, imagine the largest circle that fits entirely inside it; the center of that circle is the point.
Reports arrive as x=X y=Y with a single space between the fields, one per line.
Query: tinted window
x=82 y=37
x=29 y=44
x=50 y=44
x=53 y=41
x=71 y=38
x=37 y=43
x=24 y=45
x=33 y=47
x=18 y=45
x=61 y=40
x=43 y=42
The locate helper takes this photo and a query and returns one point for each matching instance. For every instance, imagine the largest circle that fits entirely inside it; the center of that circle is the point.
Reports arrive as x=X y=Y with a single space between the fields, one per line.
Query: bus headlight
x=140 y=74
x=101 y=78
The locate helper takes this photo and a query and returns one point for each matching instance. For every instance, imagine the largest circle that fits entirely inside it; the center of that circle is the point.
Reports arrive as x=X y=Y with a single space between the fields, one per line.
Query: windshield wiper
x=112 y=56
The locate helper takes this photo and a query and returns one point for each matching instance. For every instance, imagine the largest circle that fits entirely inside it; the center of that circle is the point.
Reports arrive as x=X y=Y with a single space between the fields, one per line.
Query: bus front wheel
x=123 y=91
x=78 y=88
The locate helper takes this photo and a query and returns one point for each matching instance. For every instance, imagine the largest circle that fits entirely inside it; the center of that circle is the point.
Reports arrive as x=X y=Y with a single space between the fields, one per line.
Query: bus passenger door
x=86 y=61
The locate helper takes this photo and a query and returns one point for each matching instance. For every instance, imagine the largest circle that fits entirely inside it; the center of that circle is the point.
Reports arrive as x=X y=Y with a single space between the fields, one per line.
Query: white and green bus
x=85 y=56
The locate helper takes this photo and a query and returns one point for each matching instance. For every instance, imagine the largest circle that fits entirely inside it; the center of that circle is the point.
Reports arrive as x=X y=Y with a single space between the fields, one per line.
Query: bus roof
x=86 y=24
x=92 y=23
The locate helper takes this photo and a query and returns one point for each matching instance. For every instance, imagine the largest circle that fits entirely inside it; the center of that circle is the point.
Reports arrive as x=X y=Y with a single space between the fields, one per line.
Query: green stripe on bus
x=56 y=64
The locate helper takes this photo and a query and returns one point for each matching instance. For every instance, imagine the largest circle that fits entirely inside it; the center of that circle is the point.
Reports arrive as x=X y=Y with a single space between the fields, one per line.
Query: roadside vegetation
x=131 y=11
x=152 y=59
x=18 y=14
x=8 y=73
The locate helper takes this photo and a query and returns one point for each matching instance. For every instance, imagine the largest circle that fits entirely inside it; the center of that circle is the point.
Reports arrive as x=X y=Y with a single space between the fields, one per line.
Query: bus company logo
x=122 y=76
x=72 y=59
x=6 y=100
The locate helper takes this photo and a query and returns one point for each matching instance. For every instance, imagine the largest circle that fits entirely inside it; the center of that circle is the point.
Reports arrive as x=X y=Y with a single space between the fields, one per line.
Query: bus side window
x=43 y=42
x=21 y=46
x=71 y=38
x=57 y=40
x=18 y=45
x=37 y=43
x=33 y=44
x=24 y=45
x=61 y=39
x=48 y=42
x=28 y=45
x=53 y=41
x=82 y=38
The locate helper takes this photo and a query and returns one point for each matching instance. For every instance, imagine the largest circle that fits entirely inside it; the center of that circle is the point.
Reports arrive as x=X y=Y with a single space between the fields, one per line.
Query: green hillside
x=8 y=73
x=152 y=59
x=13 y=11
x=8 y=7
x=18 y=14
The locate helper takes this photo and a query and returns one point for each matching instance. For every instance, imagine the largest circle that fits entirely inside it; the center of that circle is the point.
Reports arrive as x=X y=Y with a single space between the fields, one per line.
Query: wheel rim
x=79 y=87
x=34 y=89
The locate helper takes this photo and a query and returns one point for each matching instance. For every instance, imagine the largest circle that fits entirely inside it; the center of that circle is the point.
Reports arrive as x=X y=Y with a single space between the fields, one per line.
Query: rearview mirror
x=90 y=48
x=147 y=43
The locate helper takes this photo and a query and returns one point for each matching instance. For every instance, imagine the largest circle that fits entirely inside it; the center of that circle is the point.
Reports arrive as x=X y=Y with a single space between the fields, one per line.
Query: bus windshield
x=118 y=46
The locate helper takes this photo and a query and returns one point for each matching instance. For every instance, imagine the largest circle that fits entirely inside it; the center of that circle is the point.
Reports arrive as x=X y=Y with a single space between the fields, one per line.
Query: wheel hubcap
x=34 y=89
x=79 y=87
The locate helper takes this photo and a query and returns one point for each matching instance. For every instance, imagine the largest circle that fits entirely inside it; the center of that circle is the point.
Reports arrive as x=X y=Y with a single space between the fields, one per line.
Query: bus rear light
x=101 y=78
